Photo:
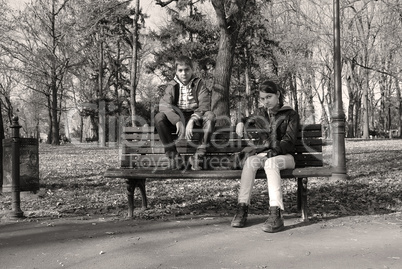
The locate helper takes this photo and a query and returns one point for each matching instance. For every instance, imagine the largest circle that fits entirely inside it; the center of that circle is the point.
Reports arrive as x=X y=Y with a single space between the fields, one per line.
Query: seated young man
x=185 y=105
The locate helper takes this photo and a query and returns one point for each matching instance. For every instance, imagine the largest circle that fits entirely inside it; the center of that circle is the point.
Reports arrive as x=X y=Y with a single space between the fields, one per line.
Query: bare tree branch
x=374 y=69
x=163 y=4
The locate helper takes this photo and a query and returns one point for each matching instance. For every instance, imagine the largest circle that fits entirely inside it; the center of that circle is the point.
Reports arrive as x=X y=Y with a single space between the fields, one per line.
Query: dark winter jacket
x=168 y=103
x=278 y=132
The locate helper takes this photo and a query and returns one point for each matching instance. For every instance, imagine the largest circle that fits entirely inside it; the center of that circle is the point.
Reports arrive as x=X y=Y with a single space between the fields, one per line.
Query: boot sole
x=237 y=225
x=278 y=229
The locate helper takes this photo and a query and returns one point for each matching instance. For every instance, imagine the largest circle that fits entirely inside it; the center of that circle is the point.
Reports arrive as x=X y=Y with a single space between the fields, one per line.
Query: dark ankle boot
x=196 y=161
x=274 y=223
x=239 y=220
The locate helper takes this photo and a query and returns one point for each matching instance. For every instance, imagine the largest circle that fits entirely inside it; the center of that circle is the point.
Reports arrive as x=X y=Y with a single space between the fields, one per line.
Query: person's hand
x=249 y=150
x=240 y=129
x=271 y=153
x=189 y=129
x=180 y=130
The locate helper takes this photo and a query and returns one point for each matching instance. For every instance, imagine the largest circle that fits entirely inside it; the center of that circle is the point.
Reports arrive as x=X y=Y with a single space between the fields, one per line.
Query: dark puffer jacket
x=278 y=132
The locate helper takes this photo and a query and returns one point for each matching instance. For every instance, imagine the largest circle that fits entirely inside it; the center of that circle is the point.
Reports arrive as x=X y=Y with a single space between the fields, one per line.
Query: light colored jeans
x=272 y=167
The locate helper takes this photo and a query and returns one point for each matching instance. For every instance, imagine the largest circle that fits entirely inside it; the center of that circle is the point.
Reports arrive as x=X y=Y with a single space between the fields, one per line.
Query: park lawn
x=72 y=185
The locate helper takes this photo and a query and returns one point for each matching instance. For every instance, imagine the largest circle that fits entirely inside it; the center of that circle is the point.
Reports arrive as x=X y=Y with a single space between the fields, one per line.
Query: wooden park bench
x=142 y=157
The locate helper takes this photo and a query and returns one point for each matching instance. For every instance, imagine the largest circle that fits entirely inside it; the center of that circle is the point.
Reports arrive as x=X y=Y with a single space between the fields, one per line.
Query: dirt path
x=202 y=242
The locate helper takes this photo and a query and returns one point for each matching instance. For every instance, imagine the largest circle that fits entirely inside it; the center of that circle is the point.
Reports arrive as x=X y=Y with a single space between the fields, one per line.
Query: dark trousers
x=165 y=129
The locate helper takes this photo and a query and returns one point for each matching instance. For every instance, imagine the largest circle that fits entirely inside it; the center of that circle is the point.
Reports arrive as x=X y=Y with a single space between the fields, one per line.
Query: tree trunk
x=118 y=103
x=55 y=124
x=399 y=106
x=81 y=128
x=94 y=128
x=358 y=130
x=365 y=114
x=310 y=111
x=223 y=70
x=350 y=131
x=101 y=102
x=247 y=81
x=351 y=86
x=293 y=89
x=329 y=100
x=50 y=131
x=324 y=116
x=229 y=19
x=382 y=108
x=37 y=130
x=1 y=146
x=134 y=64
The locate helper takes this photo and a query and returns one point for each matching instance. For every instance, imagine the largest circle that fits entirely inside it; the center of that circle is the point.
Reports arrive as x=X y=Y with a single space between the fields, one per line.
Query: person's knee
x=280 y=162
x=209 y=116
x=252 y=163
x=160 y=117
x=272 y=163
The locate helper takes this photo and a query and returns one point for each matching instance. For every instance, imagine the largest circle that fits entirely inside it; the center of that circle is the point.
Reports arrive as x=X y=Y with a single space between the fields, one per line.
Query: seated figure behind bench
x=273 y=151
x=185 y=106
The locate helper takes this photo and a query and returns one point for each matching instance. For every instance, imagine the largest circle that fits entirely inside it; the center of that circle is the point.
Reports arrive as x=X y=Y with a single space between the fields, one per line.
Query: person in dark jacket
x=273 y=151
x=185 y=106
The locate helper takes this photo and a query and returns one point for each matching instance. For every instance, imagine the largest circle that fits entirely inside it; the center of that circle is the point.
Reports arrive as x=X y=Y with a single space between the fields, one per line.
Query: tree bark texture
x=134 y=63
x=399 y=106
x=55 y=124
x=50 y=131
x=229 y=16
x=101 y=102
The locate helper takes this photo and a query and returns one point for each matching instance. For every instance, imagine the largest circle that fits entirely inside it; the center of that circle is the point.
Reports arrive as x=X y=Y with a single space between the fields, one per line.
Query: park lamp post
x=338 y=115
x=15 y=170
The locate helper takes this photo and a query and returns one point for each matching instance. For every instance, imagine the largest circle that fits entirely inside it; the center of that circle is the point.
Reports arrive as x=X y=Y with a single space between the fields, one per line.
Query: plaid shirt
x=186 y=100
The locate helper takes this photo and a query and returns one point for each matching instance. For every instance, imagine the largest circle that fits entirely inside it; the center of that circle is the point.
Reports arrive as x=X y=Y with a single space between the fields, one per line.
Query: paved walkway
x=202 y=242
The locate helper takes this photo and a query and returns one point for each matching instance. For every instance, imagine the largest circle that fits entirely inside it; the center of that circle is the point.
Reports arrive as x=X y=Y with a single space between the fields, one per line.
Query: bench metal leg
x=302 y=197
x=130 y=197
x=131 y=185
x=141 y=186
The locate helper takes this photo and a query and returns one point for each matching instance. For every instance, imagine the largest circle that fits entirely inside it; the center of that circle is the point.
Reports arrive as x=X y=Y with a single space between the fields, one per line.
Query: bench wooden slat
x=146 y=164
x=218 y=161
x=151 y=129
x=232 y=143
x=162 y=157
x=187 y=150
x=308 y=146
x=155 y=136
x=210 y=174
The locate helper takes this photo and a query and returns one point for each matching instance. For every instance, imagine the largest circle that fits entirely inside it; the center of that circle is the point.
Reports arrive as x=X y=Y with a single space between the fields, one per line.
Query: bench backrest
x=142 y=148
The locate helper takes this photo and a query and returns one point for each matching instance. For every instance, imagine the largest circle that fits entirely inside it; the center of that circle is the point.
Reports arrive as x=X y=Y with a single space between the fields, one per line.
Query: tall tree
x=229 y=15
x=134 y=63
x=37 y=44
x=104 y=47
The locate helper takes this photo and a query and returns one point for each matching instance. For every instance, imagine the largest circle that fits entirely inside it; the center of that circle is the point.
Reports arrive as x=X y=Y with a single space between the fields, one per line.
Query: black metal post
x=338 y=116
x=15 y=169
